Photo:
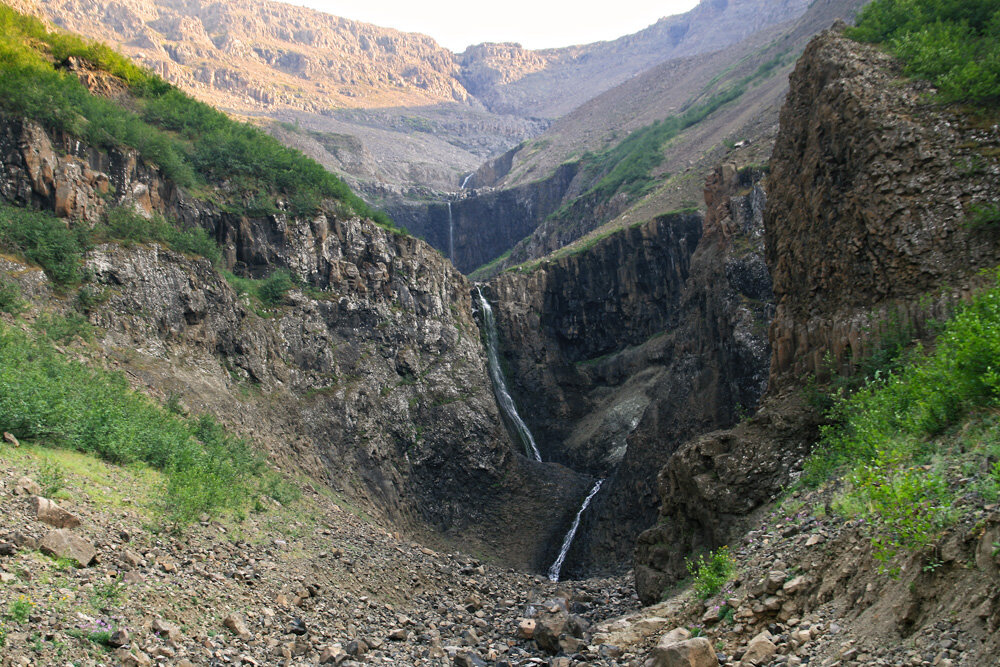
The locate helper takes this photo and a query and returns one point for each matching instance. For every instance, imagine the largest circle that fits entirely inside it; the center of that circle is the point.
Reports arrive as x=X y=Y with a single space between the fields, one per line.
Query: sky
x=535 y=24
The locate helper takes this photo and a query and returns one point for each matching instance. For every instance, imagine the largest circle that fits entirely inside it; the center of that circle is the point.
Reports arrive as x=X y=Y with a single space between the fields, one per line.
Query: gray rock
x=50 y=513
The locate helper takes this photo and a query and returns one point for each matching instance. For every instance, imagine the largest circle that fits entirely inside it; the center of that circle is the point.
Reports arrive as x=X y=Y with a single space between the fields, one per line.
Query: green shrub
x=57 y=402
x=19 y=609
x=51 y=478
x=45 y=240
x=712 y=571
x=953 y=43
x=885 y=434
x=10 y=297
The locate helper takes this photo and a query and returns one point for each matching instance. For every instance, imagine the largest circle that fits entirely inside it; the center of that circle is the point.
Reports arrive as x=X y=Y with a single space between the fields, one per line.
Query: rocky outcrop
x=867 y=221
x=891 y=182
x=485 y=223
x=372 y=380
x=628 y=348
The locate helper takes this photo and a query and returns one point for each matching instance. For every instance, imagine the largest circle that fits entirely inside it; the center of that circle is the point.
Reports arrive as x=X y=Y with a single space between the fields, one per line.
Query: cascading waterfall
x=466 y=180
x=451 y=236
x=499 y=383
x=568 y=540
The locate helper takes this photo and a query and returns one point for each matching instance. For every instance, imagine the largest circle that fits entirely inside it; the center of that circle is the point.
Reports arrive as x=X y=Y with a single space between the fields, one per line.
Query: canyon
x=625 y=387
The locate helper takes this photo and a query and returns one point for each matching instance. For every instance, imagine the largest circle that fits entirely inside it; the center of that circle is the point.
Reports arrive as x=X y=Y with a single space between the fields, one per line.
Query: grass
x=193 y=144
x=952 y=43
x=56 y=402
x=902 y=438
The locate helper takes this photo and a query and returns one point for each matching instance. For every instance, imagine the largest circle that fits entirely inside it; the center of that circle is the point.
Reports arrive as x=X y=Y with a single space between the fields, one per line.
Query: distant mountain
x=421 y=116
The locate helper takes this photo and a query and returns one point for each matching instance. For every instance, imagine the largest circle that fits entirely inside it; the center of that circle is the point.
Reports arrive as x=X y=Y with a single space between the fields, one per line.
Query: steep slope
x=893 y=182
x=362 y=366
x=417 y=106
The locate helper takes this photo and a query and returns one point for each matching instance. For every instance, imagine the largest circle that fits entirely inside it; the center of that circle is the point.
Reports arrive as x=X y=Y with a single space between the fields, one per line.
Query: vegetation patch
x=952 y=43
x=711 y=571
x=904 y=440
x=56 y=402
x=192 y=143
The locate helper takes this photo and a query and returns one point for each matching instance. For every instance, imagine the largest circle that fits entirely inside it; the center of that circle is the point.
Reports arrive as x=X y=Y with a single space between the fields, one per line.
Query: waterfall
x=568 y=540
x=462 y=187
x=499 y=384
x=451 y=235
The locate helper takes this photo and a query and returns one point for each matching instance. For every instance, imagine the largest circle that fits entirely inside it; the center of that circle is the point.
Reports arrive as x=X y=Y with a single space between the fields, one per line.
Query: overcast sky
x=536 y=24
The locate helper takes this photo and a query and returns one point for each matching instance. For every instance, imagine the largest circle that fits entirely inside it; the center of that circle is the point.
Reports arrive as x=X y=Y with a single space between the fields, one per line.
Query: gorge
x=605 y=353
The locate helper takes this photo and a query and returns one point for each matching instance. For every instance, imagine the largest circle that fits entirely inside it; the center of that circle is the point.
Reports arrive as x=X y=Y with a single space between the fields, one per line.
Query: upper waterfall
x=499 y=383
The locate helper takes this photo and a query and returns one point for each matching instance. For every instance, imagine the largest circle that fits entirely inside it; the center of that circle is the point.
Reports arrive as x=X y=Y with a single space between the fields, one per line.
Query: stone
x=134 y=658
x=167 y=629
x=792 y=586
x=697 y=652
x=297 y=627
x=526 y=628
x=25 y=486
x=118 y=638
x=760 y=650
x=674 y=636
x=468 y=659
x=397 y=634
x=7 y=548
x=549 y=626
x=332 y=654
x=50 y=513
x=237 y=624
x=774 y=581
x=10 y=439
x=62 y=543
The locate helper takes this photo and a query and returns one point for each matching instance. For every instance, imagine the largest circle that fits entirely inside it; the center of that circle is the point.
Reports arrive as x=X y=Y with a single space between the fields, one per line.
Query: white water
x=500 y=384
x=451 y=236
x=568 y=540
x=466 y=180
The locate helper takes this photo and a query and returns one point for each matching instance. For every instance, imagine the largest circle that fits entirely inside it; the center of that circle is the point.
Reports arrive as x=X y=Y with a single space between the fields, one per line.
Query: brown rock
x=695 y=652
x=27 y=487
x=64 y=544
x=167 y=629
x=526 y=628
x=50 y=513
x=237 y=624
x=9 y=438
x=759 y=650
x=332 y=655
x=118 y=638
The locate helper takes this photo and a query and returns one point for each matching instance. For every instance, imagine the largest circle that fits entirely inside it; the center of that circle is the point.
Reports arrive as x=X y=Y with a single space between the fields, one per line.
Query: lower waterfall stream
x=568 y=540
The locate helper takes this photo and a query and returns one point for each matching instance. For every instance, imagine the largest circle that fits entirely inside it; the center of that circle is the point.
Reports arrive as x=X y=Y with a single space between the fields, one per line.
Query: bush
x=57 y=402
x=10 y=297
x=711 y=572
x=886 y=433
x=952 y=43
x=45 y=240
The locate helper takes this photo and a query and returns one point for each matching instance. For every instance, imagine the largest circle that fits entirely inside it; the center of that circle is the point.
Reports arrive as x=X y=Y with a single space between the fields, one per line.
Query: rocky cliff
x=372 y=379
x=628 y=348
x=868 y=221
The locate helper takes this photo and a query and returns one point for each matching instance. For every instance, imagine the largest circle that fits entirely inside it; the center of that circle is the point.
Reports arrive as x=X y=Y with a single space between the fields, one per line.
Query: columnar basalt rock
x=653 y=335
x=867 y=223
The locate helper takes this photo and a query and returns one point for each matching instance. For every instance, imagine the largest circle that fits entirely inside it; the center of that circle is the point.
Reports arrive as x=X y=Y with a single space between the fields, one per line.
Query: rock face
x=869 y=194
x=375 y=381
x=482 y=226
x=653 y=335
x=891 y=183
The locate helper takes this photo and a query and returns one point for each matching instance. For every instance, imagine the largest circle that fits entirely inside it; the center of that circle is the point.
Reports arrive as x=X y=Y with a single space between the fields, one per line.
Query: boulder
x=62 y=543
x=760 y=649
x=697 y=652
x=50 y=513
x=238 y=626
